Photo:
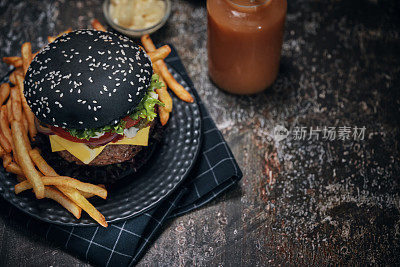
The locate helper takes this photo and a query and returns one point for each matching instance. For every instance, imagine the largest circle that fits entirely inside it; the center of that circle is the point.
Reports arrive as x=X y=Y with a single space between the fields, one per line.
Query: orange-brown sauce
x=244 y=43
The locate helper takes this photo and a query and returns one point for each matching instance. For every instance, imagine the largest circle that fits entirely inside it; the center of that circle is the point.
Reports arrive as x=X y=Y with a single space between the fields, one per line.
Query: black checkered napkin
x=124 y=243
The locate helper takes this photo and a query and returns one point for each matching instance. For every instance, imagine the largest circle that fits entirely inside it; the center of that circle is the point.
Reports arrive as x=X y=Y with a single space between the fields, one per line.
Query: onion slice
x=102 y=141
x=42 y=129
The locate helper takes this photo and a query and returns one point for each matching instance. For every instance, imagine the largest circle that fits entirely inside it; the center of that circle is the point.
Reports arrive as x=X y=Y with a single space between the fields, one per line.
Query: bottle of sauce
x=244 y=43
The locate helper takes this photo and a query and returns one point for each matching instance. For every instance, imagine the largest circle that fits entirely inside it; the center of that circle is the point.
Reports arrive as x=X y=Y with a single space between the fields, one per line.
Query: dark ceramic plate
x=169 y=164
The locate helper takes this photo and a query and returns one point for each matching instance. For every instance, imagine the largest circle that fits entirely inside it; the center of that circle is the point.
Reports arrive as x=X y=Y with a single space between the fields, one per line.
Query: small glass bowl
x=136 y=33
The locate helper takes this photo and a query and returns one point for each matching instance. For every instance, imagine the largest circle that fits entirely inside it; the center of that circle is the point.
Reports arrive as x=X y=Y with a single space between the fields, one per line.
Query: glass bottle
x=244 y=43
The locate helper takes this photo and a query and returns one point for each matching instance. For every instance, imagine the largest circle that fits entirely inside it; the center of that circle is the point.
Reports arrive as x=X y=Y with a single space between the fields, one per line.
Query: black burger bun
x=87 y=79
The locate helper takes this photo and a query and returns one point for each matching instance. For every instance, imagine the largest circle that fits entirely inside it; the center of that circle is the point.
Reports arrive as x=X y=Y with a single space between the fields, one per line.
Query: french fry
x=150 y=47
x=25 y=123
x=7 y=159
x=16 y=104
x=42 y=165
x=26 y=55
x=97 y=25
x=65 y=181
x=14 y=168
x=176 y=87
x=86 y=195
x=30 y=117
x=162 y=69
x=83 y=203
x=5 y=125
x=14 y=61
x=5 y=118
x=9 y=111
x=164 y=115
x=159 y=53
x=12 y=77
x=19 y=71
x=64 y=201
x=148 y=43
x=51 y=39
x=164 y=96
x=5 y=144
x=64 y=32
x=89 y=195
x=2 y=152
x=15 y=158
x=4 y=92
x=22 y=153
x=26 y=131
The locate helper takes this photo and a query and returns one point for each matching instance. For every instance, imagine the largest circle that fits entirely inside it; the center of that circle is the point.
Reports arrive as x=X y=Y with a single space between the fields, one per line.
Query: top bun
x=87 y=79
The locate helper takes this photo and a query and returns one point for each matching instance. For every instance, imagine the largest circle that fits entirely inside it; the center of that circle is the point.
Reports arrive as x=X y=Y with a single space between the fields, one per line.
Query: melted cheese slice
x=87 y=154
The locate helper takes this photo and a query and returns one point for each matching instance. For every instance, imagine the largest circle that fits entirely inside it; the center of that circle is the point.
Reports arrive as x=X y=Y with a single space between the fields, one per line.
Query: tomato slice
x=106 y=137
x=130 y=122
x=66 y=135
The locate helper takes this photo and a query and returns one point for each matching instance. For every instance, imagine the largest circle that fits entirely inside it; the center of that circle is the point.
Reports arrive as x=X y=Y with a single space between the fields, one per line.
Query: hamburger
x=93 y=94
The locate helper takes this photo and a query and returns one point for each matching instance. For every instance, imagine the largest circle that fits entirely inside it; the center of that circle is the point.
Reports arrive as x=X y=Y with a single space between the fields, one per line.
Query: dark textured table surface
x=300 y=201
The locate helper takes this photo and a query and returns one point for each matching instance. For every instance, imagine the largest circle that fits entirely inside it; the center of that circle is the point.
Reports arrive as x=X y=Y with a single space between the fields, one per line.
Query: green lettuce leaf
x=144 y=110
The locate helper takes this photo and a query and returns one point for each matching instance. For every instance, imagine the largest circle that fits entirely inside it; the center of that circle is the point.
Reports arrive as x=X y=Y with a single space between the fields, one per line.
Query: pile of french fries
x=17 y=130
